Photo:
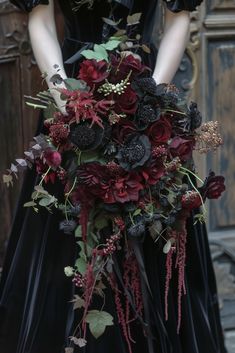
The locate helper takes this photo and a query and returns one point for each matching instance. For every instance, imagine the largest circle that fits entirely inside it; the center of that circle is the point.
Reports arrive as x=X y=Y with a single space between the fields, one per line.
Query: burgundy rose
x=126 y=102
x=213 y=186
x=123 y=129
x=122 y=189
x=181 y=148
x=52 y=158
x=191 y=200
x=160 y=131
x=92 y=71
x=121 y=67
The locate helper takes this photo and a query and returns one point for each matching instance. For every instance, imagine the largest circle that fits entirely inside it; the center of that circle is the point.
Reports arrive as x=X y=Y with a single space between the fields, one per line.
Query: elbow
x=180 y=20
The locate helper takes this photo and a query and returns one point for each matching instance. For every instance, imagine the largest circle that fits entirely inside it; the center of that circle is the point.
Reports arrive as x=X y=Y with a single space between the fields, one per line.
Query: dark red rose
x=213 y=186
x=126 y=102
x=123 y=129
x=181 y=148
x=52 y=158
x=92 y=71
x=191 y=200
x=122 y=189
x=154 y=172
x=121 y=67
x=160 y=131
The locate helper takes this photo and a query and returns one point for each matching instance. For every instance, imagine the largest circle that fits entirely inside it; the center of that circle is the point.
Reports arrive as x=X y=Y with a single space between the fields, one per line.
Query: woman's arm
x=46 y=48
x=172 y=46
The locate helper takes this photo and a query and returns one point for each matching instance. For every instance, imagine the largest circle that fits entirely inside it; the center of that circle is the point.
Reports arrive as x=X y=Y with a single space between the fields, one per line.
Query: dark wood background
x=207 y=74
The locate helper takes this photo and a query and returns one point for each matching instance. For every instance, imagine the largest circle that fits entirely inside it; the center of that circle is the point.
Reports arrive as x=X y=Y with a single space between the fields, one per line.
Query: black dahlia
x=135 y=152
x=86 y=137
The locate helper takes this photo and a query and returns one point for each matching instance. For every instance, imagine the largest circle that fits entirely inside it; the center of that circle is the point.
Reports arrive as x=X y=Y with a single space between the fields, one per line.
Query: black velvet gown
x=35 y=313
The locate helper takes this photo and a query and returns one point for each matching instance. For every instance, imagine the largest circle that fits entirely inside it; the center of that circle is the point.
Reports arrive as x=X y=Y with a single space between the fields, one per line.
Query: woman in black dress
x=35 y=313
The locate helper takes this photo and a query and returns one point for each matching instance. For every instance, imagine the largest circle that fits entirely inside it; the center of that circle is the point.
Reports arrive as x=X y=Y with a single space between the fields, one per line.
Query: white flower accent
x=69 y=271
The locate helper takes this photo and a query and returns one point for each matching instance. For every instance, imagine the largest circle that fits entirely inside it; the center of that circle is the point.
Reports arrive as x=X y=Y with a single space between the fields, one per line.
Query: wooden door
x=214 y=33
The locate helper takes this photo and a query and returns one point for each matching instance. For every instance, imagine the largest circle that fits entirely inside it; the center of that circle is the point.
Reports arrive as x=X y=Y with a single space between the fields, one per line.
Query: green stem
x=67 y=198
x=195 y=175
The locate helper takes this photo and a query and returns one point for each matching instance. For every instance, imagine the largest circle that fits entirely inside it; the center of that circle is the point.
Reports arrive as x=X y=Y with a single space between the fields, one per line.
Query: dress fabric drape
x=35 y=313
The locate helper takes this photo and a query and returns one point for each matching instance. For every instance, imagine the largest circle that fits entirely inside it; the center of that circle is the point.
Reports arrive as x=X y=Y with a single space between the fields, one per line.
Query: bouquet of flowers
x=122 y=155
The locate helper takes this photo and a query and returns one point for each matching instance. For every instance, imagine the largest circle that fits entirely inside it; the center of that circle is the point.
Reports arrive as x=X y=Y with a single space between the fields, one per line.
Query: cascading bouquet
x=123 y=157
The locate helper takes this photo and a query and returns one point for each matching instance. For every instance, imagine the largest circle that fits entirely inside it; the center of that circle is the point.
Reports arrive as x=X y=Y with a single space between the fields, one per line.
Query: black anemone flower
x=195 y=116
x=135 y=152
x=86 y=137
x=147 y=113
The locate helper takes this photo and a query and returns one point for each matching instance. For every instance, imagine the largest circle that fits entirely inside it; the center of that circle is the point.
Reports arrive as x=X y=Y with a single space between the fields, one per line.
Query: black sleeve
x=28 y=5
x=179 y=5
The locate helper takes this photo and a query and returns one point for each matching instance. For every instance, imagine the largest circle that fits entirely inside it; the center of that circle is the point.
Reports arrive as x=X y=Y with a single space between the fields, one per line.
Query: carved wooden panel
x=214 y=91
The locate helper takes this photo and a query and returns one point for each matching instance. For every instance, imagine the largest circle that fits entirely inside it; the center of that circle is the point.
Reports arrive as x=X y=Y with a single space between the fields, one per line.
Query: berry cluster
x=79 y=280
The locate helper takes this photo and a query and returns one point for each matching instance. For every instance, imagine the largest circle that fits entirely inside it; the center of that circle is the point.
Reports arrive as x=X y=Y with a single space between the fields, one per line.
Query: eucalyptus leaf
x=30 y=204
x=7 y=179
x=69 y=350
x=133 y=19
x=167 y=247
x=73 y=84
x=111 y=44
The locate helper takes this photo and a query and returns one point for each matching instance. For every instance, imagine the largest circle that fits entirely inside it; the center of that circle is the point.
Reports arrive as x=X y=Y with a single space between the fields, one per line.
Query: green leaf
x=99 y=53
x=82 y=252
x=50 y=111
x=137 y=212
x=133 y=19
x=111 y=44
x=7 y=179
x=89 y=156
x=98 y=321
x=101 y=222
x=78 y=232
x=30 y=204
x=69 y=350
x=78 y=302
x=41 y=190
x=46 y=201
x=72 y=84
x=81 y=265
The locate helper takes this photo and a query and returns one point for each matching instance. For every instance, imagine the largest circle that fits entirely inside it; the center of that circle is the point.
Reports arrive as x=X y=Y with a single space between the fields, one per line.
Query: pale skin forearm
x=47 y=50
x=46 y=47
x=172 y=46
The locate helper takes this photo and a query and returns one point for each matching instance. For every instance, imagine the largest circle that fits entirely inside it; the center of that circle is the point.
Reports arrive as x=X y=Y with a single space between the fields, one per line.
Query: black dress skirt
x=35 y=313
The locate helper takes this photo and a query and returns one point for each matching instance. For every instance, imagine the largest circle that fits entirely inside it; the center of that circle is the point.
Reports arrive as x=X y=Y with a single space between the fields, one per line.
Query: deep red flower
x=126 y=102
x=154 y=172
x=122 y=189
x=182 y=148
x=59 y=133
x=41 y=168
x=160 y=131
x=191 y=200
x=123 y=129
x=213 y=186
x=92 y=71
x=121 y=67
x=52 y=158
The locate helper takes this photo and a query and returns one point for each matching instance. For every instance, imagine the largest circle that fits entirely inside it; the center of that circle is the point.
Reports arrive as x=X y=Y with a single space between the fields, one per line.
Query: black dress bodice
x=86 y=24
